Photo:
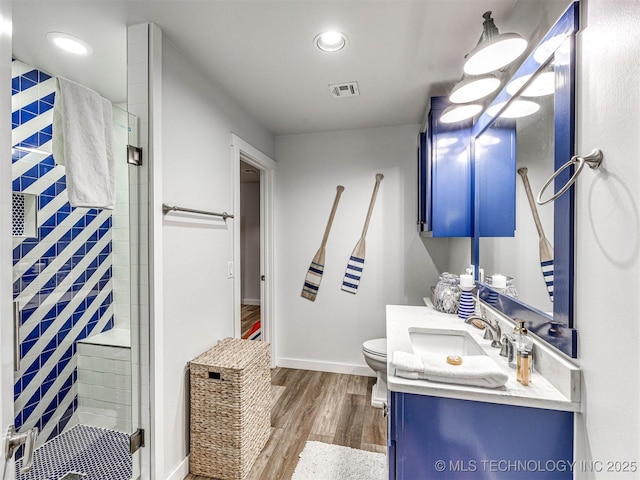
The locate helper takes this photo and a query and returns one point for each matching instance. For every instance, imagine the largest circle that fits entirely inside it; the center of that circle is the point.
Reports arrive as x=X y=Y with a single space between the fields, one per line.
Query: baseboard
x=250 y=301
x=302 y=364
x=181 y=471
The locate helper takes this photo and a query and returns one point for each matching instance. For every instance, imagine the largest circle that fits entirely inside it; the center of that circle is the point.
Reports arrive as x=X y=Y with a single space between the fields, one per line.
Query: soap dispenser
x=524 y=353
x=512 y=339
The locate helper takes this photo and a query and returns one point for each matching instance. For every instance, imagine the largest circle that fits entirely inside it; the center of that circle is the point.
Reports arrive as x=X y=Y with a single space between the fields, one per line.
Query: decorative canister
x=447 y=294
x=466 y=307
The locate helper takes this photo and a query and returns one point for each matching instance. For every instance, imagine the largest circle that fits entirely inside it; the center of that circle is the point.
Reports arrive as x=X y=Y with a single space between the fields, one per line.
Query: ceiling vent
x=348 y=89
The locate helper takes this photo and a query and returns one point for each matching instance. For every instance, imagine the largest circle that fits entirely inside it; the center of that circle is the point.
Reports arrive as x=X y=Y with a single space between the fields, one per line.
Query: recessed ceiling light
x=69 y=43
x=330 y=41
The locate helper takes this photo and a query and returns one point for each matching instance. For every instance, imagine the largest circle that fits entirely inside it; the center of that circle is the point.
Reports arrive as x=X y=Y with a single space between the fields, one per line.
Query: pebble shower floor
x=93 y=453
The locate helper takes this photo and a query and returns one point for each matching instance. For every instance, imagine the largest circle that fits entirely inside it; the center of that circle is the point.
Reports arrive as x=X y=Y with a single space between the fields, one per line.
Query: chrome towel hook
x=594 y=159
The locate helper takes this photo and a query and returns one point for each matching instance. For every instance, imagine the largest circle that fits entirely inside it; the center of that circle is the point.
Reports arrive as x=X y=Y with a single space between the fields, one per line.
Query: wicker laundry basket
x=230 y=408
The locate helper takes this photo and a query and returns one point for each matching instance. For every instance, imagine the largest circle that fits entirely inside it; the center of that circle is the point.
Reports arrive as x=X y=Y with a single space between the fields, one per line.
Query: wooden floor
x=249 y=314
x=326 y=407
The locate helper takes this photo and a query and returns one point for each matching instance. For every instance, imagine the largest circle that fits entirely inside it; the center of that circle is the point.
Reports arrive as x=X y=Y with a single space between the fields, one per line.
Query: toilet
x=375 y=354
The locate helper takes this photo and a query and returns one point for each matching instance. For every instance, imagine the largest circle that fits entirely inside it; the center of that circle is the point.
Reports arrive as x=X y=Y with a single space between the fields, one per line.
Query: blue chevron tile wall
x=62 y=275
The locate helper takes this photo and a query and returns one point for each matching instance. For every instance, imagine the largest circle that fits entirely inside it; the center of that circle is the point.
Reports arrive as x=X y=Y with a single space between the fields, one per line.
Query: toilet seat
x=376 y=347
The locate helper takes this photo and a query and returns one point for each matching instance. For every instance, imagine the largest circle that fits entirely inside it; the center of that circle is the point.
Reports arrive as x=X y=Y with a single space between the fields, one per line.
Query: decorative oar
x=545 y=248
x=356 y=261
x=316 y=269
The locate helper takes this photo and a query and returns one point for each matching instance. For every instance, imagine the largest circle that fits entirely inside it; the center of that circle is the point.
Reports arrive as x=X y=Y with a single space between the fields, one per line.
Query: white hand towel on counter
x=83 y=143
x=476 y=370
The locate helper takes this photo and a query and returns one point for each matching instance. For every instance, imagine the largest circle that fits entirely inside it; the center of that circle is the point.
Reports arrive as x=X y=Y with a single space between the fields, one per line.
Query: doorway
x=253 y=180
x=250 y=301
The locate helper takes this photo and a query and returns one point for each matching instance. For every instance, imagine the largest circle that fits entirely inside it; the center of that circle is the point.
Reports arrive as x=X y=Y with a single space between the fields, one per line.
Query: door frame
x=254 y=157
x=6 y=241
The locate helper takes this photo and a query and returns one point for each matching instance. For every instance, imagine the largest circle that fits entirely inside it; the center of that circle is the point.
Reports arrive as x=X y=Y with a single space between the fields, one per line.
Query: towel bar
x=172 y=208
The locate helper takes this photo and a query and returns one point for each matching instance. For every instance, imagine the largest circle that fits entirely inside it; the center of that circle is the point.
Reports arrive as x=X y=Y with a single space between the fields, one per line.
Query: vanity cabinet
x=453 y=190
x=443 y=438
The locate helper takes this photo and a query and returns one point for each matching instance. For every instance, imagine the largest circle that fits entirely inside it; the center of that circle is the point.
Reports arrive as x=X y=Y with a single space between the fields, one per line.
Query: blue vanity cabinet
x=444 y=176
x=443 y=438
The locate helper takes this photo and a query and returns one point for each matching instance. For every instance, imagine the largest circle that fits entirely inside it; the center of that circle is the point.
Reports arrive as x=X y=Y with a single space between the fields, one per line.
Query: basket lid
x=232 y=353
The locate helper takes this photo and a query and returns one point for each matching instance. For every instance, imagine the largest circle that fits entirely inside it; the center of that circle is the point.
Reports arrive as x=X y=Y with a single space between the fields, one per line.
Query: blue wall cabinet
x=443 y=438
x=444 y=176
x=495 y=180
x=448 y=179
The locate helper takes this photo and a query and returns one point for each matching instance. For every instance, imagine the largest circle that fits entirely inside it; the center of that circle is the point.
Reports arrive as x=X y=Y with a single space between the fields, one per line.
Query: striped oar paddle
x=356 y=261
x=545 y=248
x=316 y=269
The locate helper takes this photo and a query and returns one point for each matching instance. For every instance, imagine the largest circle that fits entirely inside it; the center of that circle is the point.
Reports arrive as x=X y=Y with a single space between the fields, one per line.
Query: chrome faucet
x=493 y=327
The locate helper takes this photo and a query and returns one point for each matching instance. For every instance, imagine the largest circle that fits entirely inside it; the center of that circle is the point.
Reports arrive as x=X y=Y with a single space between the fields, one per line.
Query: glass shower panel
x=73 y=286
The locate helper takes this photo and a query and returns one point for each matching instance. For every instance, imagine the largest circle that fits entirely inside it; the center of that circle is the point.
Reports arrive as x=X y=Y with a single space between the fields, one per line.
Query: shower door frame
x=6 y=265
x=6 y=242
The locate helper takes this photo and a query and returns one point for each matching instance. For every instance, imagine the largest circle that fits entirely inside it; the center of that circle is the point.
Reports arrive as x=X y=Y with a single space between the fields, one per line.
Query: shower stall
x=76 y=299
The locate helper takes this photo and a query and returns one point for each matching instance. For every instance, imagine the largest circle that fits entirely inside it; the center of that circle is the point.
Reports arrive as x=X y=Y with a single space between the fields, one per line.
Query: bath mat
x=322 y=461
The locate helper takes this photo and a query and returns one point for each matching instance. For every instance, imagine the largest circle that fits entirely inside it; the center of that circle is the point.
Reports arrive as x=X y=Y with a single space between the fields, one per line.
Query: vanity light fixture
x=486 y=140
x=472 y=88
x=494 y=50
x=69 y=43
x=330 y=41
x=457 y=112
x=547 y=48
x=543 y=84
x=446 y=142
x=516 y=109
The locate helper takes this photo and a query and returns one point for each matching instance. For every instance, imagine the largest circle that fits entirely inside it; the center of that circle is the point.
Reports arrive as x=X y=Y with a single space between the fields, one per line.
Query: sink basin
x=446 y=342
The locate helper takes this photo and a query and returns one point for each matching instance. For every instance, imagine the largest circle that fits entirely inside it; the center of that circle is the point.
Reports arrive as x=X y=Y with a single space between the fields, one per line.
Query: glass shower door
x=73 y=285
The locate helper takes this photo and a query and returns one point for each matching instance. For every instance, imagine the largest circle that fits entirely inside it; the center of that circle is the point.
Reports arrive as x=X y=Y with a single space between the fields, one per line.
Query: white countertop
x=540 y=393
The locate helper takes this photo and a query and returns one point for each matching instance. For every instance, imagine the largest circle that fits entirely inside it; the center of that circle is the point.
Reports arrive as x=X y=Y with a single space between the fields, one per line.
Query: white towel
x=83 y=143
x=476 y=370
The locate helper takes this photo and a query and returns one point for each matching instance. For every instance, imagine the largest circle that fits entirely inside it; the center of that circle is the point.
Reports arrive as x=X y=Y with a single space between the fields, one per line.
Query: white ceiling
x=261 y=52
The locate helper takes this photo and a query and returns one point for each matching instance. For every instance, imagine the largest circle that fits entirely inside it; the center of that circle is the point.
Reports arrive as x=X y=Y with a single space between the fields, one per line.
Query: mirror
x=531 y=136
x=537 y=141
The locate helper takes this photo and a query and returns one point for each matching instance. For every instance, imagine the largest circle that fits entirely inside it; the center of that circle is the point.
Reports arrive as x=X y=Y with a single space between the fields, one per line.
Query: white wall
x=328 y=333
x=197 y=122
x=250 y=242
x=608 y=236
